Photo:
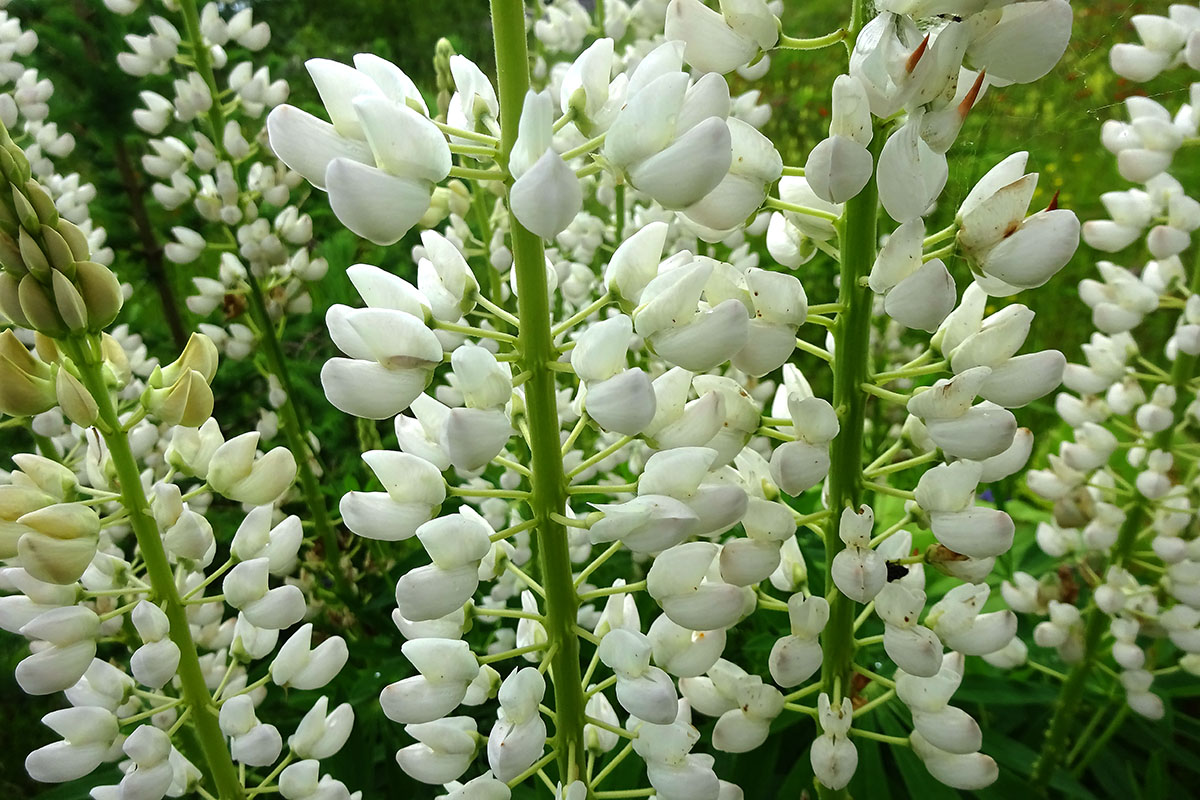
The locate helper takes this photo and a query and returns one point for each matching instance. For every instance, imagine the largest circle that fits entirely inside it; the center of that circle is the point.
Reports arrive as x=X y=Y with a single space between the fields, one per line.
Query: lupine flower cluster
x=580 y=415
x=246 y=229
x=1125 y=590
x=204 y=152
x=618 y=433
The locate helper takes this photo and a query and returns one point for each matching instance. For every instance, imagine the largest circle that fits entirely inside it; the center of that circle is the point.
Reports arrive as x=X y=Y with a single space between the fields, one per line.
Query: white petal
x=1026 y=44
x=916 y=650
x=899 y=257
x=339 y=84
x=745 y=562
x=689 y=168
x=923 y=299
x=404 y=142
x=838 y=168
x=375 y=515
x=715 y=605
x=910 y=174
x=624 y=403
x=984 y=431
x=416 y=700
x=794 y=660
x=369 y=390
x=646 y=123
x=712 y=338
x=430 y=592
x=799 y=466
x=308 y=145
x=381 y=289
x=474 y=436
x=950 y=729
x=396 y=86
x=997 y=216
x=547 y=197
x=1006 y=172
x=710 y=44
x=373 y=204
x=1023 y=379
x=976 y=532
x=1041 y=247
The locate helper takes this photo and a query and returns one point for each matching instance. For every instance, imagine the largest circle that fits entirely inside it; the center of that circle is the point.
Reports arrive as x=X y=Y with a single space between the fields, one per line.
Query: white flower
x=721 y=42
x=378 y=158
x=858 y=571
x=392 y=357
x=299 y=781
x=446 y=666
x=444 y=749
x=683 y=652
x=746 y=727
x=321 y=733
x=253 y=743
x=683 y=582
x=150 y=751
x=957 y=621
x=69 y=635
x=586 y=89
x=635 y=263
x=415 y=490
x=88 y=734
x=833 y=756
x=681 y=332
x=648 y=523
x=644 y=691
x=672 y=142
x=246 y=588
x=755 y=165
x=969 y=771
x=519 y=735
x=301 y=666
x=546 y=196
x=155 y=662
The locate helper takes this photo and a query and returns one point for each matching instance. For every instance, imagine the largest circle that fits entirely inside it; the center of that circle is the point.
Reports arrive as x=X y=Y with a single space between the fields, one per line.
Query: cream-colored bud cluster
x=48 y=284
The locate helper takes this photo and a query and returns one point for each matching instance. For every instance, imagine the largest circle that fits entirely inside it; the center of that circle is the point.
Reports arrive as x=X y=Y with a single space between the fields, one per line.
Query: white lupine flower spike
x=602 y=459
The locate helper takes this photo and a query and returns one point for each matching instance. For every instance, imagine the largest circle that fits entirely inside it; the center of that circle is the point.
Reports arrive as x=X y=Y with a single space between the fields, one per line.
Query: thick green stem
x=1096 y=621
x=851 y=334
x=86 y=355
x=548 y=484
x=294 y=432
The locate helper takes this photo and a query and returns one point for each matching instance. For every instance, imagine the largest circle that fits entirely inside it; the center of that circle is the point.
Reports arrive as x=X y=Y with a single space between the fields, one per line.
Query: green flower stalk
x=548 y=485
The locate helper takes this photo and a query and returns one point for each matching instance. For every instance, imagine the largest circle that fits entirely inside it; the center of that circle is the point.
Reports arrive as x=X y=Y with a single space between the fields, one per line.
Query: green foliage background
x=1057 y=120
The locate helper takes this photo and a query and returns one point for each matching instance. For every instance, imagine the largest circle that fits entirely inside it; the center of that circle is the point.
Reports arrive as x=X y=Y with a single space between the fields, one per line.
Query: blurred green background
x=1057 y=120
